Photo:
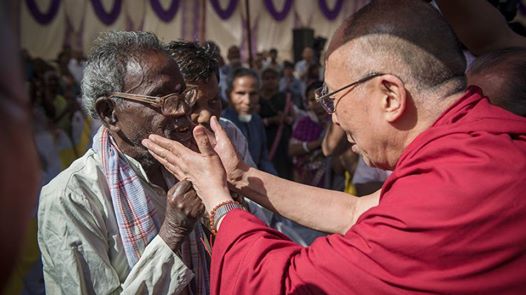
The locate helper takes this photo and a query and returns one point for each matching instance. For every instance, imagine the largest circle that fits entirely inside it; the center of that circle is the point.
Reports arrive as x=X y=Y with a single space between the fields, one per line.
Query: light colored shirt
x=254 y=130
x=238 y=140
x=365 y=174
x=240 y=143
x=81 y=246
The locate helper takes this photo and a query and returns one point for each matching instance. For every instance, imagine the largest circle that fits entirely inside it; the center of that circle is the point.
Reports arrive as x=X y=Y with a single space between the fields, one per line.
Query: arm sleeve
x=75 y=244
x=250 y=258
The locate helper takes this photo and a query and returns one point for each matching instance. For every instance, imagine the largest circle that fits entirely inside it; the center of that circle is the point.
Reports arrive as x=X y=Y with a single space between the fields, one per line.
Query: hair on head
x=238 y=73
x=412 y=35
x=196 y=62
x=106 y=65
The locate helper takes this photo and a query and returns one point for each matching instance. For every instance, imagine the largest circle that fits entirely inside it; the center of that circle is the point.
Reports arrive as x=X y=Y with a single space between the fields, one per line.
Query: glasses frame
x=325 y=99
x=159 y=102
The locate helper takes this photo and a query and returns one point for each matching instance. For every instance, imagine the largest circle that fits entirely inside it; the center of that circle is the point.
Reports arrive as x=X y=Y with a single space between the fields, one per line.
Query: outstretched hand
x=203 y=169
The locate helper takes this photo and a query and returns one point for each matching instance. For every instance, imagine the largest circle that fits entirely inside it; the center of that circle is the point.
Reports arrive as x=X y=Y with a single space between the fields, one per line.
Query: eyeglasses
x=327 y=101
x=168 y=104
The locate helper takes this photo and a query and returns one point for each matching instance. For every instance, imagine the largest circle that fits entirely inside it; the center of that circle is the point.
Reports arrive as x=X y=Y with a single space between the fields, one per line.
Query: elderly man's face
x=356 y=111
x=208 y=102
x=153 y=74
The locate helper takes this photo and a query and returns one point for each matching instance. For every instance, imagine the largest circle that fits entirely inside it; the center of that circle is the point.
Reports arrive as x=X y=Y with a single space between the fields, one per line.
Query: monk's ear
x=394 y=99
x=105 y=108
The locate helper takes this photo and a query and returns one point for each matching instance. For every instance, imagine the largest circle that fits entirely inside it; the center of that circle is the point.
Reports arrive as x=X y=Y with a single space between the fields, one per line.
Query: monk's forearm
x=320 y=209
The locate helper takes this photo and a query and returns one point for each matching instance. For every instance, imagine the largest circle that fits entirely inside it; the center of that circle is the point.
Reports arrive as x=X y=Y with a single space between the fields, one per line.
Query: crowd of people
x=167 y=169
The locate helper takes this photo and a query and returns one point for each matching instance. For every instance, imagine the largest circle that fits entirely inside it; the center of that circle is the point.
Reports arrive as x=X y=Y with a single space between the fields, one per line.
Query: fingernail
x=145 y=142
x=200 y=130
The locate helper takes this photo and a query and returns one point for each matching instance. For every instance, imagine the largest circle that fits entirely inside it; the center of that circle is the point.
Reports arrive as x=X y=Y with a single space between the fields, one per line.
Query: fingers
x=169 y=153
x=219 y=132
x=180 y=188
x=197 y=205
x=211 y=137
x=165 y=144
x=172 y=168
x=192 y=204
x=203 y=143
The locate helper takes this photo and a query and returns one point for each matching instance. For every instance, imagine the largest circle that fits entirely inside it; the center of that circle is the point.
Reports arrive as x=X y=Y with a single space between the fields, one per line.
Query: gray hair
x=106 y=66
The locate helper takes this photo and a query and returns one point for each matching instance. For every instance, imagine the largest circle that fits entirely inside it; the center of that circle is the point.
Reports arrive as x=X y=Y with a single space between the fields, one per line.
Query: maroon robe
x=451 y=219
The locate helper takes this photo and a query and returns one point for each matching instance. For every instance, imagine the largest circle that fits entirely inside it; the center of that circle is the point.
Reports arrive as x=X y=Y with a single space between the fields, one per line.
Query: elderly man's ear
x=105 y=108
x=395 y=97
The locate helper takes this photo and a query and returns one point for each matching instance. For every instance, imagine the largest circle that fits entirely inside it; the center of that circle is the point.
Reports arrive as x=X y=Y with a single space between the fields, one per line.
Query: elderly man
x=451 y=215
x=107 y=224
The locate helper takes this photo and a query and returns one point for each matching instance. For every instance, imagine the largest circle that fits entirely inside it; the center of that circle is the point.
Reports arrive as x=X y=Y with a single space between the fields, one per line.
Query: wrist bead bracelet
x=220 y=210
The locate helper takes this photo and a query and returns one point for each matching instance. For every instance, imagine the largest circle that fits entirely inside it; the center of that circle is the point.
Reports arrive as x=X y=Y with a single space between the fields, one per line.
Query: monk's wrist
x=219 y=211
x=218 y=198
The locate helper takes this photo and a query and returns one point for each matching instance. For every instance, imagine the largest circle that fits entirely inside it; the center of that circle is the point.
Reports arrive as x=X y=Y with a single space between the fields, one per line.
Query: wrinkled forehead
x=339 y=66
x=152 y=63
x=152 y=69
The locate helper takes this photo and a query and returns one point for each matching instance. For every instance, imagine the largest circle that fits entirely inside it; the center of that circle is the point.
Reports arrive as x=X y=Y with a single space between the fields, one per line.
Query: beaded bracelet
x=228 y=206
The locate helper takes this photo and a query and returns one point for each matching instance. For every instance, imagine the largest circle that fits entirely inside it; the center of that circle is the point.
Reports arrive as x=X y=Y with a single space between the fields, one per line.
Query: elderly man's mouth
x=184 y=136
x=181 y=134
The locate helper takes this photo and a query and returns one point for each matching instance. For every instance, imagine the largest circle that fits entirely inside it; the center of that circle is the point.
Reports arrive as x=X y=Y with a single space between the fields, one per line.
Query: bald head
x=501 y=75
x=404 y=37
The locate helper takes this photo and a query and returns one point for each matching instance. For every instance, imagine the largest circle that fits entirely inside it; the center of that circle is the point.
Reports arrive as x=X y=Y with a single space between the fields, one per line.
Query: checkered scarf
x=136 y=216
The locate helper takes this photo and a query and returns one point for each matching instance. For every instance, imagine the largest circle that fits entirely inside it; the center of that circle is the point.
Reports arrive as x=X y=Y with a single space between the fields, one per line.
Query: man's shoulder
x=228 y=113
x=233 y=132
x=83 y=174
x=227 y=124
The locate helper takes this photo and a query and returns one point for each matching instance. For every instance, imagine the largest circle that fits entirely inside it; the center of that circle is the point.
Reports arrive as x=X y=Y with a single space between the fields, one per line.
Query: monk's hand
x=204 y=168
x=232 y=162
x=183 y=209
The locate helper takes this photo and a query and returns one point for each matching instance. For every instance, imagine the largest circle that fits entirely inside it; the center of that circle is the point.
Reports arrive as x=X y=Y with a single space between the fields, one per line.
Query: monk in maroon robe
x=451 y=216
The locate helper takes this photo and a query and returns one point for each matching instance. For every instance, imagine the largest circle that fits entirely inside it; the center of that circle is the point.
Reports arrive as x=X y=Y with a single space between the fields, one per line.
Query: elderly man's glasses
x=327 y=100
x=168 y=104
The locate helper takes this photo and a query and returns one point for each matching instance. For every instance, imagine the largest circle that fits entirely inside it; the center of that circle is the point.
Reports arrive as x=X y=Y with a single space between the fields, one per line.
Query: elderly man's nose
x=183 y=121
x=179 y=109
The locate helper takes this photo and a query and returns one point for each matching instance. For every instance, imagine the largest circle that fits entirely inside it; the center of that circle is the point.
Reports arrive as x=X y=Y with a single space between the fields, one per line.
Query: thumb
x=220 y=134
x=203 y=143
